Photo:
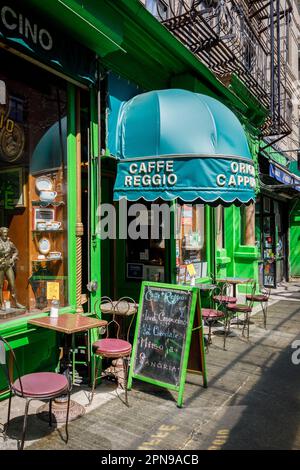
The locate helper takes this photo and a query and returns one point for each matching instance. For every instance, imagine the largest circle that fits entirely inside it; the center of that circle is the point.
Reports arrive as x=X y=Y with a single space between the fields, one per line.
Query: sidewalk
x=252 y=400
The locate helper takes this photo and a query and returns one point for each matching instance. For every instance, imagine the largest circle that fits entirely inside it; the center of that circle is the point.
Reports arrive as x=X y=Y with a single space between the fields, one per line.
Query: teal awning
x=175 y=144
x=50 y=152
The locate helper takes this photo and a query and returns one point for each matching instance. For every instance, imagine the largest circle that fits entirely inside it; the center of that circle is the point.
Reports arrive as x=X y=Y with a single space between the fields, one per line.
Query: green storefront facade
x=69 y=66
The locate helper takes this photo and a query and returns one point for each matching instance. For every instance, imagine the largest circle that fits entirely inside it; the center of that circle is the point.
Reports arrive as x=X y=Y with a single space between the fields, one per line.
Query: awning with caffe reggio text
x=175 y=144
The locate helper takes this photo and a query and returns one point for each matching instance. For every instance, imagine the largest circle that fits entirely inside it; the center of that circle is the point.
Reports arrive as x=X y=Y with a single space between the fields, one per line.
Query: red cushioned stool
x=35 y=386
x=223 y=297
x=111 y=348
x=210 y=315
x=263 y=299
x=246 y=309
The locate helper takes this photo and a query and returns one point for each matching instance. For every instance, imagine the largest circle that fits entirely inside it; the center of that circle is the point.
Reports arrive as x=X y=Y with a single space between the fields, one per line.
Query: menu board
x=162 y=331
x=168 y=338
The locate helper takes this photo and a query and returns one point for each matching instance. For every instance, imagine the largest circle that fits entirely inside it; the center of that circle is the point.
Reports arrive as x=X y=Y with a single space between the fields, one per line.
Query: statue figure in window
x=8 y=258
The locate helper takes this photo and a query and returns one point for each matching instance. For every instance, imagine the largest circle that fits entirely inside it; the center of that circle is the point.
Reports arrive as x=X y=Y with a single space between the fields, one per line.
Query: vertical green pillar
x=95 y=242
x=173 y=242
x=294 y=240
x=71 y=195
x=210 y=246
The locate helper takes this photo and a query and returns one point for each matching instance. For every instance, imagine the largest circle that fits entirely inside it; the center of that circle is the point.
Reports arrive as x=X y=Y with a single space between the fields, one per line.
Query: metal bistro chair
x=125 y=307
x=222 y=297
x=246 y=309
x=210 y=315
x=111 y=347
x=263 y=299
x=35 y=386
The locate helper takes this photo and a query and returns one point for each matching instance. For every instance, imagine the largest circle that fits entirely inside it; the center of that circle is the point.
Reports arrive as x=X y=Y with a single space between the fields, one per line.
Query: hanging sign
x=52 y=290
x=163 y=336
x=209 y=178
x=284 y=177
x=35 y=36
x=191 y=270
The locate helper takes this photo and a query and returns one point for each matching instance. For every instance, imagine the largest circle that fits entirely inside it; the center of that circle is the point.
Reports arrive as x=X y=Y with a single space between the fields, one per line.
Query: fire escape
x=248 y=38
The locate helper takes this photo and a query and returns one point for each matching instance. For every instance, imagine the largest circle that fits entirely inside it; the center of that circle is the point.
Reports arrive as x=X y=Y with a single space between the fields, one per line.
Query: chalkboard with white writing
x=161 y=339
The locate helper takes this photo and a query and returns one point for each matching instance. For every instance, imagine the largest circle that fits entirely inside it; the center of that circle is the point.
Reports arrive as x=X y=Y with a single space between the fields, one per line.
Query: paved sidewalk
x=252 y=400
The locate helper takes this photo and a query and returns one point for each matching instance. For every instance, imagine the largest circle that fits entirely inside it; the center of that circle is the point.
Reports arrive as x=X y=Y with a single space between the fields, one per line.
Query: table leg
x=234 y=290
x=60 y=404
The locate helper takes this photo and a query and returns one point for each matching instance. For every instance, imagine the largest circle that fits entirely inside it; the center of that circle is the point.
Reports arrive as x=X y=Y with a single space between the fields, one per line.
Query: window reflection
x=33 y=187
x=191 y=243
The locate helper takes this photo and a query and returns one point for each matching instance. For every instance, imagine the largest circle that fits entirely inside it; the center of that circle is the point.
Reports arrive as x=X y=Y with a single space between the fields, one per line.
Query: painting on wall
x=12 y=188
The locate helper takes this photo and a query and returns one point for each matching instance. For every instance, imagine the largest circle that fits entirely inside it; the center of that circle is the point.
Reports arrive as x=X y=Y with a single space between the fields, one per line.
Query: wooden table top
x=119 y=308
x=235 y=280
x=68 y=323
x=206 y=286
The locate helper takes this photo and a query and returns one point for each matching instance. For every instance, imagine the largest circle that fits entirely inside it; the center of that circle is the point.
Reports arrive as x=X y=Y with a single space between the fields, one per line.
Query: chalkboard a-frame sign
x=168 y=322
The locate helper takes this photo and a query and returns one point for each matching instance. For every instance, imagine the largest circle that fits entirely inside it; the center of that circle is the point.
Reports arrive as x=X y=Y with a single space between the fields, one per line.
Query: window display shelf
x=46 y=260
x=46 y=203
x=60 y=230
x=192 y=248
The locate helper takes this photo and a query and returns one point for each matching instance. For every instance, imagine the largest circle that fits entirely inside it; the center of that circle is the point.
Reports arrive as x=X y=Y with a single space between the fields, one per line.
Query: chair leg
x=8 y=416
x=50 y=413
x=125 y=368
x=248 y=326
x=226 y=331
x=209 y=340
x=264 y=307
x=244 y=325
x=96 y=369
x=21 y=446
x=67 y=417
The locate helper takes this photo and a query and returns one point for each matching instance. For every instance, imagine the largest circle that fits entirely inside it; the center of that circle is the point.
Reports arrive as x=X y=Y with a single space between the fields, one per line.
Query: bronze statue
x=8 y=257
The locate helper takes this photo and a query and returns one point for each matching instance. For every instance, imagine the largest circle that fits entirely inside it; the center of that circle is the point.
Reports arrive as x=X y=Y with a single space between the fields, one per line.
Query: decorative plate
x=44 y=246
x=43 y=183
x=12 y=143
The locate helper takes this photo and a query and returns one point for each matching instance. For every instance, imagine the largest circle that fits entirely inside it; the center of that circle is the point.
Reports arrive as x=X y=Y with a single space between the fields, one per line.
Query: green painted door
x=295 y=241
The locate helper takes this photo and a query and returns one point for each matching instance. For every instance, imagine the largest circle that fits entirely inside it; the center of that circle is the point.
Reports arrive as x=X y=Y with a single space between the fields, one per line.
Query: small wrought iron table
x=234 y=281
x=69 y=324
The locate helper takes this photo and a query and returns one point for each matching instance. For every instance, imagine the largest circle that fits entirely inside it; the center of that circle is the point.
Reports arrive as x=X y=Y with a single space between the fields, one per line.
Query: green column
x=71 y=195
x=294 y=240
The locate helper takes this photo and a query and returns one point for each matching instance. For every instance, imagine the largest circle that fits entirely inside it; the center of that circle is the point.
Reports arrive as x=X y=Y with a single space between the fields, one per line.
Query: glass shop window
x=33 y=190
x=190 y=243
x=146 y=242
x=220 y=229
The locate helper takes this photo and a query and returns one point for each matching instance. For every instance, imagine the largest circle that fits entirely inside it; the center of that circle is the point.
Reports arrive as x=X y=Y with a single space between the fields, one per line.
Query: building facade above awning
x=175 y=144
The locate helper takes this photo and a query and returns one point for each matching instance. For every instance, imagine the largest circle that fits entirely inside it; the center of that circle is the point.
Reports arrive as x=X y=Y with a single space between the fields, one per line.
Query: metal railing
x=247 y=38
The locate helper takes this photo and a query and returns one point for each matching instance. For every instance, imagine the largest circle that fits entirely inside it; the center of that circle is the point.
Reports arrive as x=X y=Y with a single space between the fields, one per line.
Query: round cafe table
x=205 y=287
x=234 y=281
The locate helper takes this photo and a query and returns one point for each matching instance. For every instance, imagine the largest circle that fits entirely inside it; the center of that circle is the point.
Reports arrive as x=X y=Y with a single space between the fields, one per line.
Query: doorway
x=273 y=220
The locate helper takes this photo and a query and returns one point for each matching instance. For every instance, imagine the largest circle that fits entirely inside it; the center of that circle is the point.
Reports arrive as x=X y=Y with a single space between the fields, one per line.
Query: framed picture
x=135 y=270
x=12 y=188
x=154 y=273
x=42 y=218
